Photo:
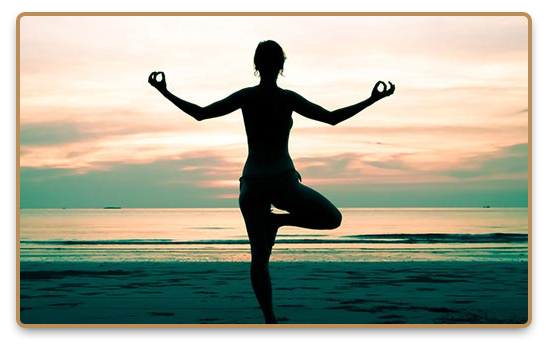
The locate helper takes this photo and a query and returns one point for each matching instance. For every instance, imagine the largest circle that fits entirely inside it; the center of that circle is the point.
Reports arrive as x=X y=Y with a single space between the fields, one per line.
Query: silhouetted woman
x=269 y=176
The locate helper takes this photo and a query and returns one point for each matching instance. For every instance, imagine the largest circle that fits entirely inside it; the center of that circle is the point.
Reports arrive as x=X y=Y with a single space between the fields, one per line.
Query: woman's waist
x=259 y=166
x=271 y=180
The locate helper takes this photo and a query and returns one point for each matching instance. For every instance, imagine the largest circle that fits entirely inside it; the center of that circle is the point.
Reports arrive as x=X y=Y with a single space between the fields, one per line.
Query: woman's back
x=267 y=116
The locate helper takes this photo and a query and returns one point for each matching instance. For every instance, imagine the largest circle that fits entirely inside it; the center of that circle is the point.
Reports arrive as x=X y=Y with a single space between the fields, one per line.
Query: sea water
x=214 y=234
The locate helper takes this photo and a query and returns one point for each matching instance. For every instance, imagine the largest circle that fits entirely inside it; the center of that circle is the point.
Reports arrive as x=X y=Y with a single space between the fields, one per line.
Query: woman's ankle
x=271 y=320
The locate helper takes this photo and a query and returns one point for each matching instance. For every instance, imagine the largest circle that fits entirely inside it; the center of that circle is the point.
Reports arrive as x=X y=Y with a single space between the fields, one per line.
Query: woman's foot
x=271 y=320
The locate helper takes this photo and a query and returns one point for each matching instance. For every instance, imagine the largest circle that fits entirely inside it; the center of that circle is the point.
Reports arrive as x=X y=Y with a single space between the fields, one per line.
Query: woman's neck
x=268 y=82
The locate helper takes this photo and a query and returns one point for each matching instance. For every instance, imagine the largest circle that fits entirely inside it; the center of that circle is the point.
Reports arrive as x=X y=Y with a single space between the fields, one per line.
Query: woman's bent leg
x=307 y=209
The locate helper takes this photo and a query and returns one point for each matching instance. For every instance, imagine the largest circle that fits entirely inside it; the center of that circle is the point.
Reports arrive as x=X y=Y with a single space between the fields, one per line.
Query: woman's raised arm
x=315 y=112
x=216 y=109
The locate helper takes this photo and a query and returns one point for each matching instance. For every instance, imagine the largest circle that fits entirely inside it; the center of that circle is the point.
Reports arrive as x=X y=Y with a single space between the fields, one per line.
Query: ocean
x=219 y=235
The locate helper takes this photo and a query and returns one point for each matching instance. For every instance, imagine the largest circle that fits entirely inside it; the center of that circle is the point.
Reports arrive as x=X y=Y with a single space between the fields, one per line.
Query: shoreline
x=337 y=293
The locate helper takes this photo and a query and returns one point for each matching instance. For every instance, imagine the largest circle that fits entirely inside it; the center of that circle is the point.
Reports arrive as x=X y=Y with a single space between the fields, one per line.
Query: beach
x=328 y=293
x=191 y=267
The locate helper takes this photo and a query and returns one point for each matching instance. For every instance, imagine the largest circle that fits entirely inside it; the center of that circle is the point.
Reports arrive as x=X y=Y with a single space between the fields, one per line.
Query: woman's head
x=269 y=59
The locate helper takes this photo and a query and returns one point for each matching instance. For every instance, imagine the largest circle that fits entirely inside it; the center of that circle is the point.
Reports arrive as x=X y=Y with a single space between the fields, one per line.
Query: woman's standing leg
x=256 y=213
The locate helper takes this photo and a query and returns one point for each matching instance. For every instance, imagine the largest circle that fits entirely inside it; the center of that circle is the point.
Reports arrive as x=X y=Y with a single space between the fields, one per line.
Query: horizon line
x=114 y=208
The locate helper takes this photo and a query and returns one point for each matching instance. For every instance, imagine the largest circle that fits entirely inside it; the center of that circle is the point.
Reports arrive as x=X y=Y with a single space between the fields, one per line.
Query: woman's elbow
x=333 y=121
x=200 y=115
x=332 y=118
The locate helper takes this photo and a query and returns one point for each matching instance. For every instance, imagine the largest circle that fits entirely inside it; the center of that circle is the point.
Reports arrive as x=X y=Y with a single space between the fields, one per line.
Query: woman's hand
x=377 y=95
x=159 y=83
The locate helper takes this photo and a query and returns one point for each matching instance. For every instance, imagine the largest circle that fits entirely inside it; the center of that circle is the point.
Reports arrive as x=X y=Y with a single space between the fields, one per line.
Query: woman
x=269 y=176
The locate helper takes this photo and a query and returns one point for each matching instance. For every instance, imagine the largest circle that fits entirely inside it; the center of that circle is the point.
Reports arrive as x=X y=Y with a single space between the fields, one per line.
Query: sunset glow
x=92 y=129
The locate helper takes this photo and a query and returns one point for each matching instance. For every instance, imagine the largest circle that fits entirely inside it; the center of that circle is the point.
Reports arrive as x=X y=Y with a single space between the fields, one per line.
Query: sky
x=93 y=132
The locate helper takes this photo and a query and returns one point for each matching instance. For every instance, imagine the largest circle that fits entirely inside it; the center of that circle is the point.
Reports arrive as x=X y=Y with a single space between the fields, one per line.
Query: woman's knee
x=333 y=219
x=260 y=254
x=327 y=219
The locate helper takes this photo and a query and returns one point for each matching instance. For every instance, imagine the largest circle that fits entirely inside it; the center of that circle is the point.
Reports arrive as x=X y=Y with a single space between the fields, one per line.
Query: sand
x=357 y=293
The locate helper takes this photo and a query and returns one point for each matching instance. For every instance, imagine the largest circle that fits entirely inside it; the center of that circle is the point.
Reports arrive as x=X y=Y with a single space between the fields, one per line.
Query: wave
x=446 y=238
x=430 y=238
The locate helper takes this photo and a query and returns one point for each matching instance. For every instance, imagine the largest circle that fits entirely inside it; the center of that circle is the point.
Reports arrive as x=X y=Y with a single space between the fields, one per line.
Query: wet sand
x=356 y=293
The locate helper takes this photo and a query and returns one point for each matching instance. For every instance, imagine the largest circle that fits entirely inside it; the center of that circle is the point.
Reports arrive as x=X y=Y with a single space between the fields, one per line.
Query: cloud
x=206 y=179
x=162 y=184
x=507 y=161
x=89 y=118
x=141 y=148
x=52 y=133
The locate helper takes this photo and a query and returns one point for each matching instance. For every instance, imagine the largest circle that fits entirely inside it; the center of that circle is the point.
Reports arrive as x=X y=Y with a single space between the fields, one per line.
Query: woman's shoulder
x=252 y=92
x=289 y=94
x=246 y=90
x=244 y=94
x=292 y=96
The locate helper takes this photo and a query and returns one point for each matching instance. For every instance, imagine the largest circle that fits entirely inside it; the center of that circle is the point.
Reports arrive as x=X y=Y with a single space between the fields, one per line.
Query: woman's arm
x=316 y=112
x=220 y=108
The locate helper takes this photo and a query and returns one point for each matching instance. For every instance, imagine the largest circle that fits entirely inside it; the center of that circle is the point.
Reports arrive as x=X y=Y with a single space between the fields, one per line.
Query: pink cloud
x=460 y=91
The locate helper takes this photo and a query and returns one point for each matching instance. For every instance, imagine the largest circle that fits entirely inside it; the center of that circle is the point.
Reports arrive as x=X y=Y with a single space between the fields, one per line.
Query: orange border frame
x=277 y=14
